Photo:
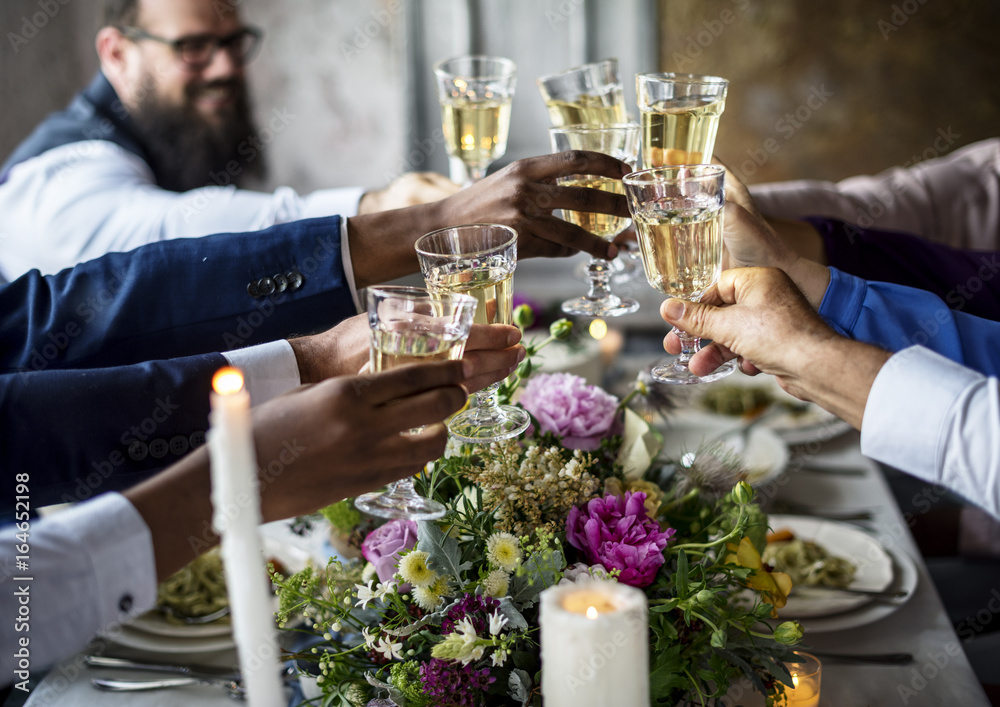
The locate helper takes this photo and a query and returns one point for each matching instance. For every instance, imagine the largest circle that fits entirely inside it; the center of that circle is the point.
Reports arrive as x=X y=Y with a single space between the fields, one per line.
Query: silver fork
x=235 y=689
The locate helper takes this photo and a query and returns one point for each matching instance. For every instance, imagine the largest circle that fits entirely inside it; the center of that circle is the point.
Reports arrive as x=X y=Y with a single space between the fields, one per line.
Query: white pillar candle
x=236 y=517
x=595 y=648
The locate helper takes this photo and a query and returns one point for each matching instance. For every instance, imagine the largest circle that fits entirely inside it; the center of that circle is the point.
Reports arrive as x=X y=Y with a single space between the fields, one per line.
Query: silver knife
x=209 y=671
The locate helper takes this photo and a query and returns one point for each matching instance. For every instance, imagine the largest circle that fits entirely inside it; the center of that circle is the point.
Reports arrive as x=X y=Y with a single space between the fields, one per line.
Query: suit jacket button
x=158 y=448
x=252 y=289
x=125 y=603
x=280 y=283
x=197 y=439
x=178 y=445
x=138 y=451
x=265 y=286
x=295 y=279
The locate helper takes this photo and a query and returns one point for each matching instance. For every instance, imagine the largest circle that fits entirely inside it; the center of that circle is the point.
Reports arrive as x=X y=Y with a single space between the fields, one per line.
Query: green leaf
x=442 y=550
x=681 y=576
x=514 y=617
x=519 y=686
x=541 y=570
x=394 y=694
x=718 y=639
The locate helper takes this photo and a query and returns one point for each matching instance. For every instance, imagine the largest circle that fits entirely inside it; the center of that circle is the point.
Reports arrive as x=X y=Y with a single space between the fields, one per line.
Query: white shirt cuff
x=332 y=202
x=269 y=370
x=910 y=405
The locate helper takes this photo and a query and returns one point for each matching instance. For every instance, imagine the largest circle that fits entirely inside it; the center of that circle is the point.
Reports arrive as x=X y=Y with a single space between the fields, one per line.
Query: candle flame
x=598 y=329
x=592 y=612
x=227 y=381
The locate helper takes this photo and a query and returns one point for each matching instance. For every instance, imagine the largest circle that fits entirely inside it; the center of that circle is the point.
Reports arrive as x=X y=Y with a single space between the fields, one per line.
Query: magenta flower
x=615 y=531
x=383 y=546
x=564 y=404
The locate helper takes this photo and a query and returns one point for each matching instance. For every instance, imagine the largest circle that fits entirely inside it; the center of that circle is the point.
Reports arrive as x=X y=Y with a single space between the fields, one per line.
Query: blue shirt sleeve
x=895 y=317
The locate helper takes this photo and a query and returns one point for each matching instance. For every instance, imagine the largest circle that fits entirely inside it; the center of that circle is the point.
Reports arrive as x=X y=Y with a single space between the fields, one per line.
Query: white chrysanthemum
x=496 y=584
x=414 y=570
x=431 y=597
x=368 y=572
x=503 y=551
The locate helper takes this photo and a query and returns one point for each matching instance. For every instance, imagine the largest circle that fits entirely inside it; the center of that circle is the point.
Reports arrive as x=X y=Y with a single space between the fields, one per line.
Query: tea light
x=595 y=650
x=236 y=516
x=806 y=672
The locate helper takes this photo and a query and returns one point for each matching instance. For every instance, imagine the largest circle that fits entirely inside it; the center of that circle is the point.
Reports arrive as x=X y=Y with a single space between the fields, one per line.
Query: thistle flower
x=496 y=584
x=503 y=551
x=714 y=471
x=414 y=570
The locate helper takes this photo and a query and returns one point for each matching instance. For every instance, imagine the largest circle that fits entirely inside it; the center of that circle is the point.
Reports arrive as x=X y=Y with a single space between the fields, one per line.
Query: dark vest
x=94 y=114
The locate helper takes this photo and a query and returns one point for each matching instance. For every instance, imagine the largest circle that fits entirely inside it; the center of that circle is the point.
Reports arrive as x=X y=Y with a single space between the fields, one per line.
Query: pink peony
x=615 y=532
x=383 y=546
x=564 y=404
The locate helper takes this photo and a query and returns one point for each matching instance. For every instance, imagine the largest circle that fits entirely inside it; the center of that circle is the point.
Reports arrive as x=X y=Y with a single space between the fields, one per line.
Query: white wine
x=604 y=109
x=604 y=226
x=680 y=131
x=489 y=282
x=476 y=131
x=397 y=343
x=681 y=247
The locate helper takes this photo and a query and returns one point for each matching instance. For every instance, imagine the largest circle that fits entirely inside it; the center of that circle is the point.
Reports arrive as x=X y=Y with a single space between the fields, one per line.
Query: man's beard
x=186 y=151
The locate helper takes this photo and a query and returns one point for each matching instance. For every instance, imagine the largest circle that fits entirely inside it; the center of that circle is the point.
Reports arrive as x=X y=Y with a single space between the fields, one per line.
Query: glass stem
x=486 y=407
x=599 y=271
x=689 y=347
x=402 y=489
x=476 y=173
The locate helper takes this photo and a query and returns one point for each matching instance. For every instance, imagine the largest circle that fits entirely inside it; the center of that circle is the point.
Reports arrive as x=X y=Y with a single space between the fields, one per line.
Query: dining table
x=827 y=468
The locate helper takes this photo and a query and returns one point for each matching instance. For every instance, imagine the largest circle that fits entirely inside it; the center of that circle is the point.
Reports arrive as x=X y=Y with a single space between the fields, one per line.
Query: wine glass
x=479 y=260
x=677 y=212
x=591 y=94
x=680 y=115
x=412 y=325
x=475 y=94
x=622 y=142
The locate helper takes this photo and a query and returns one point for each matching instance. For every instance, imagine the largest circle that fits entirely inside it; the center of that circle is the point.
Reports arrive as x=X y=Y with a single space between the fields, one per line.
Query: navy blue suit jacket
x=105 y=368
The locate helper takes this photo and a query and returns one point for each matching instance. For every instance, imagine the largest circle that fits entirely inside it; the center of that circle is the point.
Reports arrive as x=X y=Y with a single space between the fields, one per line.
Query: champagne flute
x=475 y=94
x=591 y=94
x=412 y=325
x=622 y=142
x=479 y=260
x=678 y=217
x=680 y=117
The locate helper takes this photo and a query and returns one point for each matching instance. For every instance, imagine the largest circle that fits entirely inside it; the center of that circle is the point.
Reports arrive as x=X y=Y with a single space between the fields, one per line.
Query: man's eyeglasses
x=198 y=51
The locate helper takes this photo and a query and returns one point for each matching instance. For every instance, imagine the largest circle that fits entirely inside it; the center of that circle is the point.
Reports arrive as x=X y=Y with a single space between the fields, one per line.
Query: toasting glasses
x=620 y=141
x=678 y=218
x=475 y=94
x=680 y=117
x=412 y=325
x=477 y=260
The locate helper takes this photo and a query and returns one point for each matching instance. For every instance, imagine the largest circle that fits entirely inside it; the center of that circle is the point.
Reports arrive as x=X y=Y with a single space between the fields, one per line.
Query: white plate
x=814 y=424
x=151 y=643
x=765 y=456
x=154 y=623
x=873 y=566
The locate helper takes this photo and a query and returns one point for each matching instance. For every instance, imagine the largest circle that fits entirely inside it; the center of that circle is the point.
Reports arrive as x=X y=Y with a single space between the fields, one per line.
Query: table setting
x=652 y=538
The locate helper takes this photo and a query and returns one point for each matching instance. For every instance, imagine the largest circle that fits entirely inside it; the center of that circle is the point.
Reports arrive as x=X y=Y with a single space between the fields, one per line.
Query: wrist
x=307 y=357
x=809 y=276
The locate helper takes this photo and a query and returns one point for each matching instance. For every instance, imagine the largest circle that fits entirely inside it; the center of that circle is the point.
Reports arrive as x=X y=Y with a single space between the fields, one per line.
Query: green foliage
x=405 y=677
x=342 y=515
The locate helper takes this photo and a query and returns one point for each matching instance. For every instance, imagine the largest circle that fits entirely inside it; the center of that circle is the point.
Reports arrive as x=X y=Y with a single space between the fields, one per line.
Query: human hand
x=523 y=195
x=410 y=189
x=344 y=436
x=755 y=314
x=491 y=354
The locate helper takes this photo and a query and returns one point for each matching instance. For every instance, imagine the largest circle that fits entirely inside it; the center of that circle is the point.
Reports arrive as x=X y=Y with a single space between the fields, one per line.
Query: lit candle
x=594 y=645
x=236 y=517
x=806 y=672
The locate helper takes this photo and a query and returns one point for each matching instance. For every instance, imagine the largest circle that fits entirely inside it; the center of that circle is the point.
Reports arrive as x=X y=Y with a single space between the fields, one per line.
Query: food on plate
x=196 y=590
x=736 y=400
x=806 y=562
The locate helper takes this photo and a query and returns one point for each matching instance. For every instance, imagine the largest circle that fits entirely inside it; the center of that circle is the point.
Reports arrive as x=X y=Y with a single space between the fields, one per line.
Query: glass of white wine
x=475 y=94
x=677 y=212
x=680 y=117
x=412 y=325
x=479 y=260
x=591 y=94
x=622 y=142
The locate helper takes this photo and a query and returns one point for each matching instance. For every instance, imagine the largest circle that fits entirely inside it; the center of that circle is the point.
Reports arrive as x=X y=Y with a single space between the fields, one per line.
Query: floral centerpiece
x=444 y=613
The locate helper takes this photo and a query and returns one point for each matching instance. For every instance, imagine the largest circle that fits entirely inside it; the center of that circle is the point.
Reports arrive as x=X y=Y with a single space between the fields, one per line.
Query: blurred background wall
x=820 y=90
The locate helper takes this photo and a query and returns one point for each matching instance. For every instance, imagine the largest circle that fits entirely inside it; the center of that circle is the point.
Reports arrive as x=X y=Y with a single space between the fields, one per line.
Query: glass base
x=675 y=373
x=612 y=306
x=389 y=504
x=502 y=422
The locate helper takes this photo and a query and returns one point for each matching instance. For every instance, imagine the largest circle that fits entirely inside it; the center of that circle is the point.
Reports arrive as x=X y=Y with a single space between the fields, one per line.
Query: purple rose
x=564 y=404
x=615 y=532
x=383 y=546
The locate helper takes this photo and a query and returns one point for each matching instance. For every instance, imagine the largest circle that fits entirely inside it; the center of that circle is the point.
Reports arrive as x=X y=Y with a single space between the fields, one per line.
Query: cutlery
x=235 y=689
x=208 y=671
x=866 y=659
x=827 y=468
x=874 y=594
x=802 y=509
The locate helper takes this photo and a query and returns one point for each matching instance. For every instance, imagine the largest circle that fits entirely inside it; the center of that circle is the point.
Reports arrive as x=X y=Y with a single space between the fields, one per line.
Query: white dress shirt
x=82 y=200
x=938 y=421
